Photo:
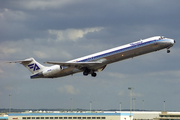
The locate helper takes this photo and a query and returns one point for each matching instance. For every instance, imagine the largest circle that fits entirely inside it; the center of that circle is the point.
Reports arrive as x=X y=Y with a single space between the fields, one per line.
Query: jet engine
x=51 y=71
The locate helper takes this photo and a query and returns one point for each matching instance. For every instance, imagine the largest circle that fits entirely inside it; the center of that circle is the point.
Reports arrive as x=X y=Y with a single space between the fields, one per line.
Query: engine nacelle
x=51 y=71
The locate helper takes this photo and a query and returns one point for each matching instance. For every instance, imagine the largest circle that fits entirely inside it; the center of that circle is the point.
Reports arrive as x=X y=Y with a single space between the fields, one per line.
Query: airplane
x=98 y=61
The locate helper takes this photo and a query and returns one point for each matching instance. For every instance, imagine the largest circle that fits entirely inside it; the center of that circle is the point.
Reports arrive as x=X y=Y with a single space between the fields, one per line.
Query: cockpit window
x=161 y=37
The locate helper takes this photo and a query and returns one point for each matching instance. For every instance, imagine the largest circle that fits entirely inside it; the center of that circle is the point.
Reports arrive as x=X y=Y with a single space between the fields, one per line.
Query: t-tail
x=32 y=65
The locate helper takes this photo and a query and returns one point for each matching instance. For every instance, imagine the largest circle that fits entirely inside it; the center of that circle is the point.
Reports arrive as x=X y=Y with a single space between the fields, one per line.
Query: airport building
x=3 y=116
x=71 y=116
x=98 y=115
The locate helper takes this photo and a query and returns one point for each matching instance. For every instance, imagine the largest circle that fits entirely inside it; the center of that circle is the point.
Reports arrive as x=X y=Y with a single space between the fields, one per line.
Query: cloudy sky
x=61 y=30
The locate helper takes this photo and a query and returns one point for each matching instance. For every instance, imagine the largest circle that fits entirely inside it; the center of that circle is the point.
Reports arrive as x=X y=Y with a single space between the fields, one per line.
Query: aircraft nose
x=172 y=41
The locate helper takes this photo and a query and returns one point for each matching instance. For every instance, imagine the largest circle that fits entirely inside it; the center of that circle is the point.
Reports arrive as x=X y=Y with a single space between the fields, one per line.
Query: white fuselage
x=112 y=55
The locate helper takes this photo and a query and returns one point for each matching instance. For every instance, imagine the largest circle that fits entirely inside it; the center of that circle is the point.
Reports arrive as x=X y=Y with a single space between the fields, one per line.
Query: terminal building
x=96 y=115
x=71 y=116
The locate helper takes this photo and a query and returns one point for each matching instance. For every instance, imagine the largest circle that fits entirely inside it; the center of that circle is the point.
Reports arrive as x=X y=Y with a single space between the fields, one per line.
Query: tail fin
x=31 y=64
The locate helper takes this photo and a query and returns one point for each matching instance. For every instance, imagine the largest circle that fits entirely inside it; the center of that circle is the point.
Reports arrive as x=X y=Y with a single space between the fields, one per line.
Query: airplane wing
x=78 y=65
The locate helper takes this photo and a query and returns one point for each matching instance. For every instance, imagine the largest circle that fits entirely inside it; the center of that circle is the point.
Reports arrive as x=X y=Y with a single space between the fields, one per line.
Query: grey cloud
x=25 y=33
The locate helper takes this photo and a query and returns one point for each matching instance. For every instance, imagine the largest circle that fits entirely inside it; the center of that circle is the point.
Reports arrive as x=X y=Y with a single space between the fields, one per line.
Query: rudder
x=32 y=65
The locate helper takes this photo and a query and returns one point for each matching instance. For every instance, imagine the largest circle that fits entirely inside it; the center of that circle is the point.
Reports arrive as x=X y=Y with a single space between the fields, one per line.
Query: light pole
x=164 y=105
x=9 y=103
x=90 y=105
x=130 y=94
x=119 y=106
x=71 y=104
x=142 y=105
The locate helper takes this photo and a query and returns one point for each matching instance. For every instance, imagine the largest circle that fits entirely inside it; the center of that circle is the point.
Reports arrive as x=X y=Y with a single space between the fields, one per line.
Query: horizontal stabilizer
x=21 y=61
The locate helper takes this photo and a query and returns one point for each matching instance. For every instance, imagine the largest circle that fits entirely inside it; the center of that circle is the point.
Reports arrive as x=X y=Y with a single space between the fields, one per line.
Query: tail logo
x=33 y=66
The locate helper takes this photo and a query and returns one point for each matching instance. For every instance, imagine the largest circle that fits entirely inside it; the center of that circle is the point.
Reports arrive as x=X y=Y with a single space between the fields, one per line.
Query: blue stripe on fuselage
x=132 y=46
